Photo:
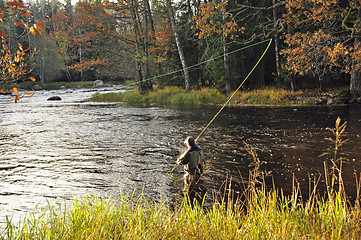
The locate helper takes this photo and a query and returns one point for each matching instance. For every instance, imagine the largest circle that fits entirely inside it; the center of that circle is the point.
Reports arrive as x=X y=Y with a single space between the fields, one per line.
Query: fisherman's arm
x=184 y=159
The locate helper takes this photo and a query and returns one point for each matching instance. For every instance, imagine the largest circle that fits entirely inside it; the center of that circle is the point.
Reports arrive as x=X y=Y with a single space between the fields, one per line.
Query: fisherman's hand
x=179 y=161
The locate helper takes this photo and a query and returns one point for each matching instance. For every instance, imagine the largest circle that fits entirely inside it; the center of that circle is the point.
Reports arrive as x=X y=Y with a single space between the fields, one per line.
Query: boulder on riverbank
x=37 y=88
x=98 y=83
x=54 y=98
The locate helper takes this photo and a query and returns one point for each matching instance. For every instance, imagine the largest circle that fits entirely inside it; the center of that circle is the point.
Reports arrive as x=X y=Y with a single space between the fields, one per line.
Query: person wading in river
x=194 y=165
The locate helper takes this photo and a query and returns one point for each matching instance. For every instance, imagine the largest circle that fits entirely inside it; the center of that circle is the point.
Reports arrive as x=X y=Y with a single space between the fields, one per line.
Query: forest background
x=316 y=43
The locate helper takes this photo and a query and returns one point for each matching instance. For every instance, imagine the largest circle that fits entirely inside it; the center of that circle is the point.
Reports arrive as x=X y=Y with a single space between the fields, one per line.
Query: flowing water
x=55 y=150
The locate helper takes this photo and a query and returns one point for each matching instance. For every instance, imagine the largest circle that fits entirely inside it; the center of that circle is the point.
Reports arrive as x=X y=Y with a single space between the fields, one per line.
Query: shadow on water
x=56 y=150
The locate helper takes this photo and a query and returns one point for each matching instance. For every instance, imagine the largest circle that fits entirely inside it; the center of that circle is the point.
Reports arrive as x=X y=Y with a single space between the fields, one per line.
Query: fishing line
x=195 y=65
x=234 y=93
x=229 y=99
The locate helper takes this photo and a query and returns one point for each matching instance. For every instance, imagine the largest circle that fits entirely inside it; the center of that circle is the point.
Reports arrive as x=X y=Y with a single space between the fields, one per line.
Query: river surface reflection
x=52 y=151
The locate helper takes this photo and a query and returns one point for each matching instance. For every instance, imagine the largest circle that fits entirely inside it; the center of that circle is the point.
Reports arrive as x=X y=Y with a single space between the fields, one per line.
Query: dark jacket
x=191 y=164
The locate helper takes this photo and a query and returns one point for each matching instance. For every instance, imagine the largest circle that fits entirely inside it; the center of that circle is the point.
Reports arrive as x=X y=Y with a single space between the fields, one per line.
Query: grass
x=273 y=96
x=257 y=214
x=270 y=215
x=171 y=95
x=267 y=96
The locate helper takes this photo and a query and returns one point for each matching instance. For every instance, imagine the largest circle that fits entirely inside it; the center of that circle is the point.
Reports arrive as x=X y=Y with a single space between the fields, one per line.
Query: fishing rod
x=224 y=105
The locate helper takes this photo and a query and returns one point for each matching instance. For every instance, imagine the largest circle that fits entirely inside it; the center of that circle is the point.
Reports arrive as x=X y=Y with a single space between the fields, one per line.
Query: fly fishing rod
x=224 y=105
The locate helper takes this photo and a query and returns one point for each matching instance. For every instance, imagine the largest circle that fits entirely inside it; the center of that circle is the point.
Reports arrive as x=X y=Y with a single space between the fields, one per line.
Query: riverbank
x=268 y=96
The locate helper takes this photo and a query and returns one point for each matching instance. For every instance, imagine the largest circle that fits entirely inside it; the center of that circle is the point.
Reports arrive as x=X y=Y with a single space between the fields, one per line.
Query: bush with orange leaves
x=13 y=63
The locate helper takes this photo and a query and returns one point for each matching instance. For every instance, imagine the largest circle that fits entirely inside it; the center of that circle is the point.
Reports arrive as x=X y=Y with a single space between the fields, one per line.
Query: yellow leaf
x=28 y=93
x=32 y=31
x=20 y=46
x=32 y=79
x=15 y=90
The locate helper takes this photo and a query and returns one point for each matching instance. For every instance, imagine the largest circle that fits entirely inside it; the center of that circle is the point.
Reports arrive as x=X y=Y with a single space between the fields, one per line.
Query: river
x=55 y=150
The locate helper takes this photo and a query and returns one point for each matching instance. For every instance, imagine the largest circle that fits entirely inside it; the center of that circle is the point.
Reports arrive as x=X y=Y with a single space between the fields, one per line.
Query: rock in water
x=98 y=83
x=54 y=98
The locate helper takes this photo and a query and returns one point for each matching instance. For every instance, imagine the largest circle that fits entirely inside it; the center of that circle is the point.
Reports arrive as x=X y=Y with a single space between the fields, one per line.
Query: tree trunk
x=320 y=82
x=147 y=85
x=81 y=62
x=226 y=59
x=179 y=46
x=293 y=85
x=152 y=29
x=80 y=58
x=355 y=81
x=151 y=22
x=138 y=69
x=276 y=38
x=42 y=62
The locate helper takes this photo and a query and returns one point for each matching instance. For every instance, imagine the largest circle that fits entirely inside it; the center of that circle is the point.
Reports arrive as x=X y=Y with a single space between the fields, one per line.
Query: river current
x=56 y=150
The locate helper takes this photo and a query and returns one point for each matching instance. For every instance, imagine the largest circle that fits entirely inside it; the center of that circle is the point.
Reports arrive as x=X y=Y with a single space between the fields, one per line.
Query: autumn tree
x=84 y=36
x=137 y=29
x=14 y=57
x=324 y=40
x=215 y=25
x=163 y=54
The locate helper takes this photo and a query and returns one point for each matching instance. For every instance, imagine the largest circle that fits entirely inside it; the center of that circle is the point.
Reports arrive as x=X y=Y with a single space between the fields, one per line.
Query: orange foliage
x=163 y=42
x=210 y=21
x=83 y=32
x=314 y=11
x=18 y=6
x=315 y=54
x=12 y=64
x=325 y=47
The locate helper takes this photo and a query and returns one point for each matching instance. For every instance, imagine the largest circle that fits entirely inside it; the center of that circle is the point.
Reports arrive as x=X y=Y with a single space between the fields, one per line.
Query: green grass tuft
x=170 y=95
x=271 y=96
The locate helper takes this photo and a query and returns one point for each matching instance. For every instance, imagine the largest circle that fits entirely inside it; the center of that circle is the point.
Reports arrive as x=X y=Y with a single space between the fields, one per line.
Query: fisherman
x=194 y=165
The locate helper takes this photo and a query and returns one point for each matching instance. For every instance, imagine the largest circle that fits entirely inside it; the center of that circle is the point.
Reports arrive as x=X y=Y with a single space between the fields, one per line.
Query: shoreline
x=265 y=97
